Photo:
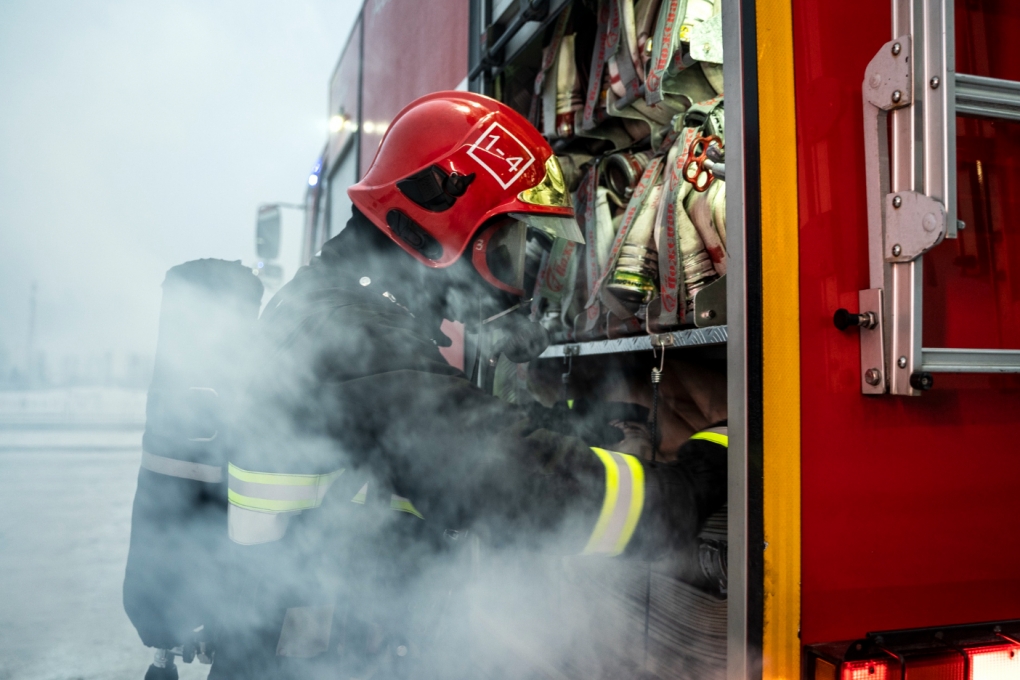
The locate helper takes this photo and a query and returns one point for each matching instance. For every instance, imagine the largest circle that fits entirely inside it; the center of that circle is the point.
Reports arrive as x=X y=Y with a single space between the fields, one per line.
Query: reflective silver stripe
x=305 y=632
x=615 y=527
x=251 y=527
x=277 y=492
x=262 y=503
x=312 y=493
x=622 y=505
x=172 y=467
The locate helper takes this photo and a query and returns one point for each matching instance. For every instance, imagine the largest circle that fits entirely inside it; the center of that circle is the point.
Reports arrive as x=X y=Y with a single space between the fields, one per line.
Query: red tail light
x=947 y=666
x=989 y=651
x=1001 y=662
x=865 y=670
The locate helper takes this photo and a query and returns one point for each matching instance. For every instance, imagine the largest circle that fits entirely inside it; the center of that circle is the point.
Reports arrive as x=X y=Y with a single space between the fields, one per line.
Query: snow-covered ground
x=65 y=513
x=94 y=407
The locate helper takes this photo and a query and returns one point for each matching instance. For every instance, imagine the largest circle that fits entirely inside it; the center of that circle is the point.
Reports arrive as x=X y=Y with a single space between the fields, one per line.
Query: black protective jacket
x=350 y=377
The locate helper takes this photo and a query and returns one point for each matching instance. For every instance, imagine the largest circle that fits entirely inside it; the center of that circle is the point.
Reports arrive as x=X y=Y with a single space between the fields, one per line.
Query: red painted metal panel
x=908 y=504
x=412 y=48
x=343 y=94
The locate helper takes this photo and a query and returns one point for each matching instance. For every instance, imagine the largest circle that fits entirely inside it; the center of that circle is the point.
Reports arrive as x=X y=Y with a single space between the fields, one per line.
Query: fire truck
x=854 y=297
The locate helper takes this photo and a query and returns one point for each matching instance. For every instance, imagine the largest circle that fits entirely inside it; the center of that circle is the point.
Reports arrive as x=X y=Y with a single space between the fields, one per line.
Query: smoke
x=135 y=136
x=141 y=136
x=475 y=574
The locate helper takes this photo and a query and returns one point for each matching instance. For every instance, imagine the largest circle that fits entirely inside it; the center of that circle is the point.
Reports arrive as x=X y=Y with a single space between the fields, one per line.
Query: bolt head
x=365 y=281
x=934 y=82
x=896 y=49
x=897 y=96
x=897 y=201
x=872 y=376
x=902 y=362
x=896 y=250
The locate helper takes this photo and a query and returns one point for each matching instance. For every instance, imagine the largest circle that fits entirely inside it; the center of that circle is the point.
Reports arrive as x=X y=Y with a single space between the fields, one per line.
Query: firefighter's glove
x=517 y=338
x=679 y=497
x=591 y=427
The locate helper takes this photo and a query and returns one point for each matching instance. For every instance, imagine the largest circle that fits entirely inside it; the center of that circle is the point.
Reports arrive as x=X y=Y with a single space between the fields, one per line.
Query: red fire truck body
x=905 y=499
x=850 y=512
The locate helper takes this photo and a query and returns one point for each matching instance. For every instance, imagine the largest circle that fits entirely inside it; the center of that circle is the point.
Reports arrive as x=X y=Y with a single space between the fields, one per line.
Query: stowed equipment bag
x=178 y=523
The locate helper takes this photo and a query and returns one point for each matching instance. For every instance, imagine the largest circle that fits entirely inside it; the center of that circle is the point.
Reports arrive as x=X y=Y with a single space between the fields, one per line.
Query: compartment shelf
x=693 y=337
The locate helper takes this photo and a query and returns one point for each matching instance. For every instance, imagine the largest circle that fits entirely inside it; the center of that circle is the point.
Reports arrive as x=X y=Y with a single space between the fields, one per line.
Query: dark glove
x=587 y=420
x=518 y=338
x=679 y=497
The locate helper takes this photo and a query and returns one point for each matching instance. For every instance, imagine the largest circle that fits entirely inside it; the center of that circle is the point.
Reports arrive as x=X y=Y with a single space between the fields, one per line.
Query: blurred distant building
x=95 y=369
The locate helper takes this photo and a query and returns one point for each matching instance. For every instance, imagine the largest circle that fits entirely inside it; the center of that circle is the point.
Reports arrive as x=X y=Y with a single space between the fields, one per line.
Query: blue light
x=260 y=265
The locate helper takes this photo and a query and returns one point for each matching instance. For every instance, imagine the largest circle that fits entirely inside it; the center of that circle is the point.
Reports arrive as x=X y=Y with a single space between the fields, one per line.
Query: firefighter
x=365 y=453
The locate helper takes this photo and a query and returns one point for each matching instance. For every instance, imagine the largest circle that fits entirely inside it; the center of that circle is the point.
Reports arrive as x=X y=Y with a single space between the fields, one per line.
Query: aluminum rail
x=694 y=337
x=951 y=360
x=987 y=97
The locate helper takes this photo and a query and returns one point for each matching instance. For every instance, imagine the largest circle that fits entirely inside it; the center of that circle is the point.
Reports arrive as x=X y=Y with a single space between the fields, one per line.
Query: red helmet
x=449 y=163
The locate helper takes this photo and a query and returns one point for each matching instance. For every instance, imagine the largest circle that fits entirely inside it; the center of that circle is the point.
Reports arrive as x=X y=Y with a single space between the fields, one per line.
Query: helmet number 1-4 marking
x=501 y=154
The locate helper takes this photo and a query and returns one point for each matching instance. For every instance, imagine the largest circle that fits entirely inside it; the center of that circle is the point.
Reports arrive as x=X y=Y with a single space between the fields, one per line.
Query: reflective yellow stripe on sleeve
x=277 y=492
x=396 y=502
x=404 y=505
x=714 y=437
x=262 y=503
x=361 y=496
x=621 y=506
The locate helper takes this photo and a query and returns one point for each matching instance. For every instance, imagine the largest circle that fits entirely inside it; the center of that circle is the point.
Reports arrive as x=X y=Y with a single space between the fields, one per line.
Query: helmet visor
x=505 y=254
x=501 y=254
x=554 y=226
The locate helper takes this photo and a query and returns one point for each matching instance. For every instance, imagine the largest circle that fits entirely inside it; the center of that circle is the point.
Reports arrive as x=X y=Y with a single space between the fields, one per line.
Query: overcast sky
x=136 y=135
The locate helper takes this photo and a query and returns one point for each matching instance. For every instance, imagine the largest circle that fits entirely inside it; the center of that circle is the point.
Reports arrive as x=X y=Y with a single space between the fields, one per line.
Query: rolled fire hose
x=622 y=172
x=635 y=278
x=717 y=199
x=625 y=59
x=700 y=212
x=696 y=262
x=605 y=230
x=568 y=88
x=645 y=13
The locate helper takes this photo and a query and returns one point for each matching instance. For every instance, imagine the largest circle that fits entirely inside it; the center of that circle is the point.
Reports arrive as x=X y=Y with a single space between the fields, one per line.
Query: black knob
x=844 y=319
x=922 y=380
